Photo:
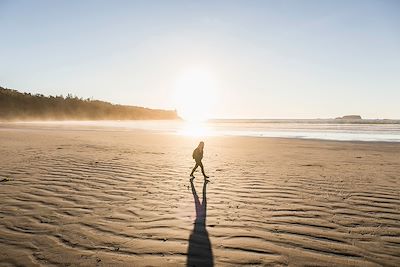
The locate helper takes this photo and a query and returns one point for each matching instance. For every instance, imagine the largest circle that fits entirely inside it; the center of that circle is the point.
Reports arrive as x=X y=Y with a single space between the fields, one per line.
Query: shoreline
x=72 y=126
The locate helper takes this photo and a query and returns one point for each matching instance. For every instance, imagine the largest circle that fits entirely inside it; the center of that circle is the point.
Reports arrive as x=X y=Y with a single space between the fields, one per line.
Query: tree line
x=15 y=105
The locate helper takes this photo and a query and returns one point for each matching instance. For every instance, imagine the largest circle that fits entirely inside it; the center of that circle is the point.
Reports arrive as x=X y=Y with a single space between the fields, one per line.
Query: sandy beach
x=87 y=197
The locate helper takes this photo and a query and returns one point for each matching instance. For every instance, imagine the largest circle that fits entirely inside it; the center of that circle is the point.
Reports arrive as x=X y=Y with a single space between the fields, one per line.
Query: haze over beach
x=199 y=133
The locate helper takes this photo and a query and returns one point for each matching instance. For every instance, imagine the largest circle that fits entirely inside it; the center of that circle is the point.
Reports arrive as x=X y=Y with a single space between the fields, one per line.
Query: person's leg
x=194 y=169
x=202 y=169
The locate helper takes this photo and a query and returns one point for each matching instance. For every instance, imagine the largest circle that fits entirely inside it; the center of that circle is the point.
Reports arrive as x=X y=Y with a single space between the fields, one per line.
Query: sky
x=245 y=59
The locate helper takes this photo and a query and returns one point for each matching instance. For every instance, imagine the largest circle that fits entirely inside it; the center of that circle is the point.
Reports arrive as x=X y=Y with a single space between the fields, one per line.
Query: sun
x=195 y=94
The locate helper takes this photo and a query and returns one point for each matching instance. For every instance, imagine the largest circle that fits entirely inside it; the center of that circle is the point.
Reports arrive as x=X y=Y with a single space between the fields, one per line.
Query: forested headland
x=15 y=105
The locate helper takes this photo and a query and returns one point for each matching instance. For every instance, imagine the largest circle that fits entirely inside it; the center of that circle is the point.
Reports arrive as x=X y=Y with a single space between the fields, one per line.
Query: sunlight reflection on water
x=195 y=129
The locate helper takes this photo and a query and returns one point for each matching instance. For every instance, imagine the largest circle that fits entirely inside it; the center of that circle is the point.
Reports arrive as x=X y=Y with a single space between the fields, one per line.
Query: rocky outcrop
x=349 y=117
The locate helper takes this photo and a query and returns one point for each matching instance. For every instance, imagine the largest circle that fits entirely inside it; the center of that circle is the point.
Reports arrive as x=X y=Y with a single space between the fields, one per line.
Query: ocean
x=358 y=130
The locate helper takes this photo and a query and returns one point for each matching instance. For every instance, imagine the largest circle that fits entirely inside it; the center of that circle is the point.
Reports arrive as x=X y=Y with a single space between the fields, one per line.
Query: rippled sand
x=84 y=197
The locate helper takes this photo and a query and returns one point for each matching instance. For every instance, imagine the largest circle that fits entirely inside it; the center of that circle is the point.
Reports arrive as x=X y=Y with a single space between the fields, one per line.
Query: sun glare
x=195 y=129
x=195 y=94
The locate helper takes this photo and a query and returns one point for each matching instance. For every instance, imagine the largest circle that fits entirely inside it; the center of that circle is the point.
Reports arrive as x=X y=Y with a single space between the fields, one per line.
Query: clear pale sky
x=267 y=59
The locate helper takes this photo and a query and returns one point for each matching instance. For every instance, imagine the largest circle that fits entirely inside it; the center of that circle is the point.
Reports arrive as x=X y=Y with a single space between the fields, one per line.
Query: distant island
x=349 y=117
x=15 y=105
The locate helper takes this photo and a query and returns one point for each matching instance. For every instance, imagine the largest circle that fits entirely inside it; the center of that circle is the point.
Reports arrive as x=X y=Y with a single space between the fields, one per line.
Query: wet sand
x=84 y=197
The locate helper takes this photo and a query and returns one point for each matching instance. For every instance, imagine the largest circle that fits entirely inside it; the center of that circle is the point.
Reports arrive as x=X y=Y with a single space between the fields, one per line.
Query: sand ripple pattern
x=84 y=198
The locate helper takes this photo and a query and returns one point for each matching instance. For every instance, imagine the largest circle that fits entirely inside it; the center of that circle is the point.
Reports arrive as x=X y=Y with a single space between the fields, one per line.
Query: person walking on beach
x=198 y=156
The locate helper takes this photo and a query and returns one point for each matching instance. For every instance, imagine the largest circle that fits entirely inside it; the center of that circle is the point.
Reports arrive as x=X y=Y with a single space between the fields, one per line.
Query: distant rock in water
x=15 y=105
x=349 y=117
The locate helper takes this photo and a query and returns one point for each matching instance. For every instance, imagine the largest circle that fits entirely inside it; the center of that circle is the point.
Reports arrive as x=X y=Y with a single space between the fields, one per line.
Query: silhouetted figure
x=198 y=156
x=199 y=250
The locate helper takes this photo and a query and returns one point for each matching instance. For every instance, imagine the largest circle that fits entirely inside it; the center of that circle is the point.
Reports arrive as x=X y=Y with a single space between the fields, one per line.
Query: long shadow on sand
x=199 y=251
